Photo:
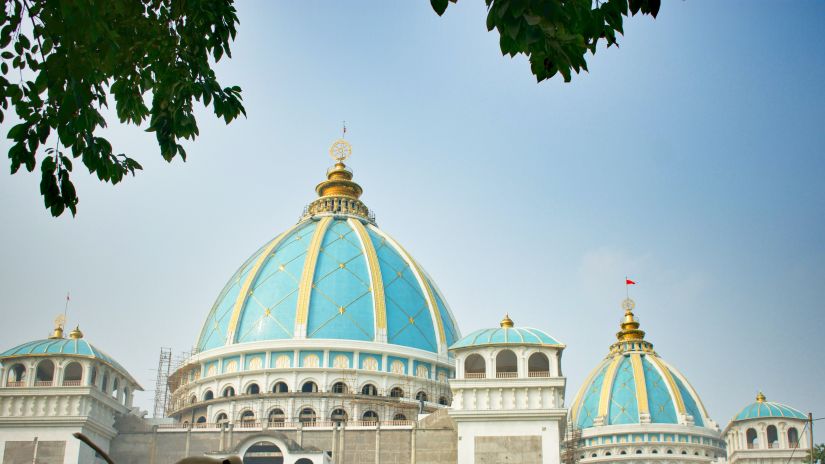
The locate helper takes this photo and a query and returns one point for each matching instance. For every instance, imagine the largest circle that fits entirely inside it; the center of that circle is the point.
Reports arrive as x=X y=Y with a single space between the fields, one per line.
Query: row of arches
x=753 y=442
x=306 y=415
x=46 y=374
x=506 y=365
x=609 y=453
x=368 y=389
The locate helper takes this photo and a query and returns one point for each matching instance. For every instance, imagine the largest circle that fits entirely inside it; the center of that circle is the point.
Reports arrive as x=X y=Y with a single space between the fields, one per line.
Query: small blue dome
x=762 y=408
x=506 y=336
x=61 y=347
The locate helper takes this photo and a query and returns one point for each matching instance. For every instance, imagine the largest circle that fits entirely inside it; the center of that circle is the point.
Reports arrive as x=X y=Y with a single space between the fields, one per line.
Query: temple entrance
x=263 y=452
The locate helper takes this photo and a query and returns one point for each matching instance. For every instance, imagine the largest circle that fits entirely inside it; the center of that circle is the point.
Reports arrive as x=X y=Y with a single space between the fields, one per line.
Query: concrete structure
x=53 y=388
x=767 y=433
x=508 y=396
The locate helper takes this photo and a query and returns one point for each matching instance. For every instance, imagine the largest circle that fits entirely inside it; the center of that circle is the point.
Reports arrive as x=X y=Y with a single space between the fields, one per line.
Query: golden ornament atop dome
x=59 y=322
x=760 y=397
x=629 y=325
x=506 y=323
x=339 y=194
x=76 y=334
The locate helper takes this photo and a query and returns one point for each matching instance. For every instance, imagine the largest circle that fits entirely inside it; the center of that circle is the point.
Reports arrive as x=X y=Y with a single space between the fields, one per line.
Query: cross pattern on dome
x=343 y=249
x=402 y=275
x=590 y=403
x=446 y=318
x=280 y=270
x=214 y=333
x=659 y=401
x=623 y=408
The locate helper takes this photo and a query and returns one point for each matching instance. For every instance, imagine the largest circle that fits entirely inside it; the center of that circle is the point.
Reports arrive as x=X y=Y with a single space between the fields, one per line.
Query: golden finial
x=630 y=325
x=339 y=194
x=506 y=323
x=340 y=150
x=76 y=334
x=760 y=397
x=59 y=321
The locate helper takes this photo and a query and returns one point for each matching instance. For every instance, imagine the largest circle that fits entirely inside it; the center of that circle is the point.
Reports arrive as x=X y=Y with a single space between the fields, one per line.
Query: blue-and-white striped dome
x=763 y=408
x=334 y=275
x=633 y=385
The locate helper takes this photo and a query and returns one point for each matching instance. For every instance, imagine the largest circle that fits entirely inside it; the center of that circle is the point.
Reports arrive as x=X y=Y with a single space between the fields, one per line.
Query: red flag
x=629 y=282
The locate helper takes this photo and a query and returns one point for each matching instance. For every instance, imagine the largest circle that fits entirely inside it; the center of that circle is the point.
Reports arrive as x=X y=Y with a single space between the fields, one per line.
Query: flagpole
x=626 y=288
x=66 y=308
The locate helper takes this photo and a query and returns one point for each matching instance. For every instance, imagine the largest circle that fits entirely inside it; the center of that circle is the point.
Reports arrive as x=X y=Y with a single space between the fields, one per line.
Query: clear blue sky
x=691 y=159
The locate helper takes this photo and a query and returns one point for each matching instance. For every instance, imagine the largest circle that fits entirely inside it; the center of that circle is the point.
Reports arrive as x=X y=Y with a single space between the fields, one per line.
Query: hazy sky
x=691 y=159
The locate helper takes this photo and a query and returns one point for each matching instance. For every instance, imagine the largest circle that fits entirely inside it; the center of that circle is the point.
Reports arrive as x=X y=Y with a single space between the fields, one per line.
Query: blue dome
x=762 y=408
x=331 y=277
x=506 y=336
x=62 y=347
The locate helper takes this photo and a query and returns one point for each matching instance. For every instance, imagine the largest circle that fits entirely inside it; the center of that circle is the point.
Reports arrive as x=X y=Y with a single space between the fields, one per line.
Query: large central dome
x=334 y=275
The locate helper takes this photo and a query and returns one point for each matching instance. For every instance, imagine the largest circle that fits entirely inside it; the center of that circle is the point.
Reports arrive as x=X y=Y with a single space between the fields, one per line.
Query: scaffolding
x=571 y=446
x=162 y=382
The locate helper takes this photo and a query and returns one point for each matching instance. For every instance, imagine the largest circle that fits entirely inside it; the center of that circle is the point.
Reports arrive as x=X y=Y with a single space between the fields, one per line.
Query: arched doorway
x=263 y=452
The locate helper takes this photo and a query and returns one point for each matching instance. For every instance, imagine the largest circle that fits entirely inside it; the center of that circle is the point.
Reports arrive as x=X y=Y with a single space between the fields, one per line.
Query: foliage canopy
x=61 y=58
x=557 y=34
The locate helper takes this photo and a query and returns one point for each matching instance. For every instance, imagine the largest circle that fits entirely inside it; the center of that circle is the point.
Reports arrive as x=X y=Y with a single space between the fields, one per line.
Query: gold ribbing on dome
x=76 y=334
x=760 y=397
x=506 y=323
x=630 y=325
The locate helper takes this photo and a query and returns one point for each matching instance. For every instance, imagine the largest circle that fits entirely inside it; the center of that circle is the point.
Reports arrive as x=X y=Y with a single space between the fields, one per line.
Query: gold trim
x=422 y=280
x=377 y=284
x=680 y=403
x=607 y=386
x=308 y=274
x=641 y=386
x=583 y=391
x=240 y=301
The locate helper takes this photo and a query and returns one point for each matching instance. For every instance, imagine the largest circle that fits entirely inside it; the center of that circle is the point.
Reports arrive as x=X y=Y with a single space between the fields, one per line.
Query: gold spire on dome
x=760 y=397
x=76 y=334
x=339 y=194
x=506 y=323
x=630 y=325
x=59 y=321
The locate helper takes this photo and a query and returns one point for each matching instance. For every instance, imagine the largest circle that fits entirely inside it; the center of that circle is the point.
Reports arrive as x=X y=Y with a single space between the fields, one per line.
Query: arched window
x=399 y=417
x=72 y=375
x=670 y=451
x=93 y=376
x=506 y=365
x=17 y=376
x=753 y=441
x=538 y=365
x=253 y=389
x=247 y=417
x=309 y=387
x=201 y=420
x=276 y=417
x=442 y=400
x=208 y=395
x=193 y=399
x=280 y=387
x=304 y=461
x=638 y=451
x=684 y=452
x=104 y=386
x=307 y=416
x=369 y=416
x=338 y=415
x=608 y=453
x=421 y=396
x=369 y=389
x=655 y=451
x=475 y=367
x=396 y=392
x=369 y=364
x=125 y=396
x=773 y=437
x=44 y=375
x=623 y=452
x=115 y=386
x=340 y=361
x=339 y=387
x=262 y=451
x=793 y=437
x=228 y=391
x=221 y=418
